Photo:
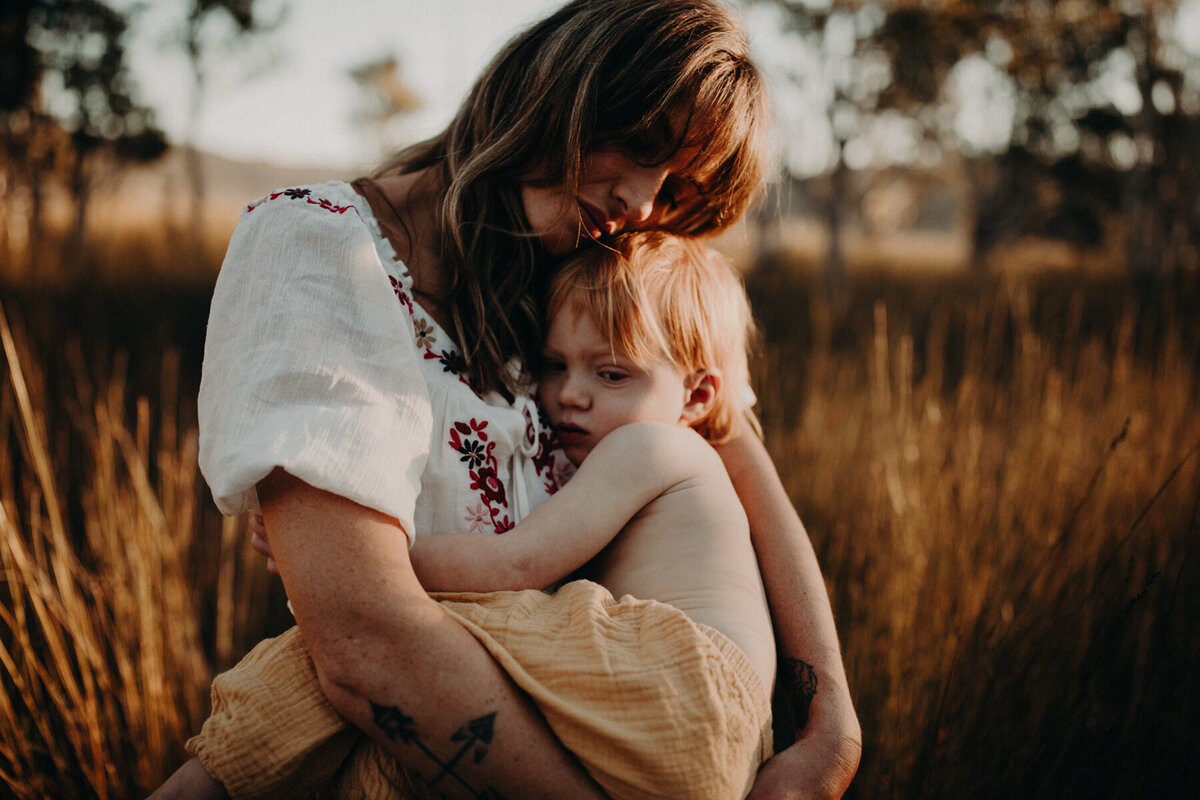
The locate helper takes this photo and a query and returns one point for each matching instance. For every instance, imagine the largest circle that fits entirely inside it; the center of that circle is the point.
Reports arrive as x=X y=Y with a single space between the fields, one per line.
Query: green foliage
x=1095 y=114
x=67 y=112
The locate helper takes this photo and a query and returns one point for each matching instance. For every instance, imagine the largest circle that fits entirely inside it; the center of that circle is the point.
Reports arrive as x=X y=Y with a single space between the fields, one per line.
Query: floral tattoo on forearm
x=800 y=681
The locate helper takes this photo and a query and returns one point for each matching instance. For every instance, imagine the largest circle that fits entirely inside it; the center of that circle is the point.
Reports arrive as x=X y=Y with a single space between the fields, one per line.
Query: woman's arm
x=825 y=755
x=395 y=665
x=624 y=472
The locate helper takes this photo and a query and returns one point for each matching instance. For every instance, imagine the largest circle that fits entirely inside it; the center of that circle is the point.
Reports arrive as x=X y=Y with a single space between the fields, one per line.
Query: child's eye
x=552 y=365
x=612 y=375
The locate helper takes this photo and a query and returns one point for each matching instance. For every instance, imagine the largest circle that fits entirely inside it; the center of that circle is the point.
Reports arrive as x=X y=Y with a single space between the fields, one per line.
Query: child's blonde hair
x=660 y=297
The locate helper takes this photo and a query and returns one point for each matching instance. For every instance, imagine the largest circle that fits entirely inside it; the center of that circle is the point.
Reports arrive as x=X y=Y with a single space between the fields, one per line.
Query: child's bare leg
x=191 y=782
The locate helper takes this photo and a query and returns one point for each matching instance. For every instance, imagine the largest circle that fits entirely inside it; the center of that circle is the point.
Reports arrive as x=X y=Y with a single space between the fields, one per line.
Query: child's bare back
x=690 y=547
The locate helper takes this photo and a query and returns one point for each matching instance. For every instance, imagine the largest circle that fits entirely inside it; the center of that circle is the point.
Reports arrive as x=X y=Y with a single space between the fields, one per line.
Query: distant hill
x=158 y=192
x=918 y=231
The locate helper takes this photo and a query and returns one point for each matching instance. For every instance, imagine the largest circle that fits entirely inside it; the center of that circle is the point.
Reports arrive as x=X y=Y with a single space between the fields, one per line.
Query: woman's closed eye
x=678 y=190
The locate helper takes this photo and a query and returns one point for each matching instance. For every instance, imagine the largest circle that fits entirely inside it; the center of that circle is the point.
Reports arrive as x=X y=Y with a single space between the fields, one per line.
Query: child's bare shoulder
x=660 y=446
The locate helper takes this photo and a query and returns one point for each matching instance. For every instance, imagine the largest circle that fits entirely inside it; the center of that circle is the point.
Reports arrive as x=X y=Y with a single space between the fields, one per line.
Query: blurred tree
x=1064 y=112
x=211 y=26
x=839 y=73
x=66 y=108
x=385 y=97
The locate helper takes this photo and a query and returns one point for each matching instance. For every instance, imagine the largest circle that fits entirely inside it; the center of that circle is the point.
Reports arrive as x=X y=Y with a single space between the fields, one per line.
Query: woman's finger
x=258 y=540
x=261 y=546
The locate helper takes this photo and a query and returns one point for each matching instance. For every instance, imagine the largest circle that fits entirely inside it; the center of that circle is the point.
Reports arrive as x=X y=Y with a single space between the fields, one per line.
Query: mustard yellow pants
x=651 y=703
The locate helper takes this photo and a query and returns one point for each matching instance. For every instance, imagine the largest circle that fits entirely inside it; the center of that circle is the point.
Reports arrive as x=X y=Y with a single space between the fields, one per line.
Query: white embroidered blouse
x=317 y=360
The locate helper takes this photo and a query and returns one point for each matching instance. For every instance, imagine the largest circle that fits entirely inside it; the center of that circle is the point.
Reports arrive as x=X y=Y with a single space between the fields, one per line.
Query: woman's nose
x=637 y=190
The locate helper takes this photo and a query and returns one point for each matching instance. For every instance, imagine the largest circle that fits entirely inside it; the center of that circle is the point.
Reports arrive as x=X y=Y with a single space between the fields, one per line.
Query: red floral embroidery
x=475 y=449
x=402 y=295
x=452 y=360
x=549 y=461
x=305 y=195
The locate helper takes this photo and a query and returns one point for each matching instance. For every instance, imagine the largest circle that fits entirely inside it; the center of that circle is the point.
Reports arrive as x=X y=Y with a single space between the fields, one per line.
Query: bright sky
x=286 y=96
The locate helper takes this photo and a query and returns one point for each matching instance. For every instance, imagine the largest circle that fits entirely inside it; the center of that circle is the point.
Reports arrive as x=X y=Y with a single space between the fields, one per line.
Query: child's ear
x=701 y=389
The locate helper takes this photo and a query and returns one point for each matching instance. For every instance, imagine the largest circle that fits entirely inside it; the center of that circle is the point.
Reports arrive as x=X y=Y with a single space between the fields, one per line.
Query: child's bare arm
x=626 y=471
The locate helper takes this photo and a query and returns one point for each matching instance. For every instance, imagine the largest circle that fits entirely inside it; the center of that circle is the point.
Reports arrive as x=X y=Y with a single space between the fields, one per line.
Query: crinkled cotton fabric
x=652 y=704
x=318 y=361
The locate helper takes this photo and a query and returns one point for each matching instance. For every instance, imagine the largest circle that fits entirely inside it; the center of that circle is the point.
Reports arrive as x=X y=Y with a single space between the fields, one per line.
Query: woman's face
x=616 y=194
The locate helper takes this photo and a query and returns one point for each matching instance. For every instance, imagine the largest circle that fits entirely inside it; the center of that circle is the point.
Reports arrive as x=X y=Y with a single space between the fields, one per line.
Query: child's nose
x=573 y=393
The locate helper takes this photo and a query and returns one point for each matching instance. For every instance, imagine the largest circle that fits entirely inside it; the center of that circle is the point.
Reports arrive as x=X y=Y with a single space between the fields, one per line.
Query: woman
x=327 y=402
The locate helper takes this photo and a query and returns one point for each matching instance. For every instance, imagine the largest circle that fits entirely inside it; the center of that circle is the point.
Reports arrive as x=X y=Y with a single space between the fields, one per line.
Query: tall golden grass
x=1004 y=502
x=104 y=670
x=1001 y=479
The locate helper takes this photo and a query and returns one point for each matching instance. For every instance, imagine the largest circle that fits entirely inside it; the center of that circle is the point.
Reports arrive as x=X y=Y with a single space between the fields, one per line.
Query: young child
x=642 y=370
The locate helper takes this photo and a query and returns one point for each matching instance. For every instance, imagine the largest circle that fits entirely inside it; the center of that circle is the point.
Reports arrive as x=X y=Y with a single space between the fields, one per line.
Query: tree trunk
x=1143 y=212
x=193 y=166
x=972 y=192
x=836 y=285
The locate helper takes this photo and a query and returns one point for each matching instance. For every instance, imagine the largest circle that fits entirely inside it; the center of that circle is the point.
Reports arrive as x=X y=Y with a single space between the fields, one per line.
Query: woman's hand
x=808 y=770
x=258 y=540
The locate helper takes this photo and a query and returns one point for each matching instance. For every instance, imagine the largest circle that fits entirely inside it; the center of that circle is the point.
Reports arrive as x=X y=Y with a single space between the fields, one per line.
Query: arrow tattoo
x=477 y=734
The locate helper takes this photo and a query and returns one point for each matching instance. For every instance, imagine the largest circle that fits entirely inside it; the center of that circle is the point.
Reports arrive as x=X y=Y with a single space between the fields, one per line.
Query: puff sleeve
x=309 y=365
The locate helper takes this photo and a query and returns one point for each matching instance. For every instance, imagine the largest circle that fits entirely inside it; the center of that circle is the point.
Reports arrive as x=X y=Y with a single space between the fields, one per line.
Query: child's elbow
x=522 y=571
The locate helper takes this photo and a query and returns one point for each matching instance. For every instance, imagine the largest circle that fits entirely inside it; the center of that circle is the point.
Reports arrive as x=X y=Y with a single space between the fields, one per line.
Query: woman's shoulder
x=334 y=203
x=334 y=197
x=296 y=213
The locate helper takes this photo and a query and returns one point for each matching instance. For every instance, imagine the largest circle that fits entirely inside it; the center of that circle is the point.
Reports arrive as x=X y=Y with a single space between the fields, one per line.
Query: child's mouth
x=570 y=434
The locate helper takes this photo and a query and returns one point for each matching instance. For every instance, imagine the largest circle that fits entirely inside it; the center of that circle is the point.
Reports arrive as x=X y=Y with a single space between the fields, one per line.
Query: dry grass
x=1004 y=502
x=1001 y=480
x=106 y=653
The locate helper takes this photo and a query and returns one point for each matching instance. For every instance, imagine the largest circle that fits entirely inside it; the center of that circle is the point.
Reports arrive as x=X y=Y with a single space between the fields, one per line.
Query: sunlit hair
x=646 y=77
x=658 y=297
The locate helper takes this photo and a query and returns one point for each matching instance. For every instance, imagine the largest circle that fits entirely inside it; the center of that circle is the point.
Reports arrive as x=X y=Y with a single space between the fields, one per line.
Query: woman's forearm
x=828 y=737
x=394 y=664
x=439 y=702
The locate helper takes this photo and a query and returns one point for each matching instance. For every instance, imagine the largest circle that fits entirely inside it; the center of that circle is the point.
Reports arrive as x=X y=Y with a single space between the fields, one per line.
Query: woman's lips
x=593 y=219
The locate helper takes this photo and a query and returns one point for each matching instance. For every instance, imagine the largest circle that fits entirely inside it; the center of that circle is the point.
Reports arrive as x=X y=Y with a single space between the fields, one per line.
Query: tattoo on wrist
x=800 y=680
x=473 y=737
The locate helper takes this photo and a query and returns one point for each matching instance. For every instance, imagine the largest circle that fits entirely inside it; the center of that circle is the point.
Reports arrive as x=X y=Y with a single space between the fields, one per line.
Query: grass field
x=1001 y=478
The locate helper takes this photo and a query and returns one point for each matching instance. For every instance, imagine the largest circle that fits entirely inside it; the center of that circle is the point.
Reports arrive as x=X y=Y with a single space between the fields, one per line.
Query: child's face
x=589 y=389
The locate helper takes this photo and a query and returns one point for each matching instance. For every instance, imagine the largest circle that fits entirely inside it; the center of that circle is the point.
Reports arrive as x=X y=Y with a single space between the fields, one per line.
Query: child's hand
x=260 y=544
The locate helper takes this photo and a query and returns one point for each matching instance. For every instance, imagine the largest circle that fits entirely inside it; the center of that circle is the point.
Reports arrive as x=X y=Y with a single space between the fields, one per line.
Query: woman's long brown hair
x=646 y=76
